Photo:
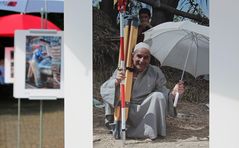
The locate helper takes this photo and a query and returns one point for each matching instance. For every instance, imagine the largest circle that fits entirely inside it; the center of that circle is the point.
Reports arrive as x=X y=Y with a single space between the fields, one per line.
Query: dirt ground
x=189 y=129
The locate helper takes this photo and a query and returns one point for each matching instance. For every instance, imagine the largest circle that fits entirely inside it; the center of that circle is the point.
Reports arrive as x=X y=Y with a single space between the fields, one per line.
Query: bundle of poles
x=128 y=39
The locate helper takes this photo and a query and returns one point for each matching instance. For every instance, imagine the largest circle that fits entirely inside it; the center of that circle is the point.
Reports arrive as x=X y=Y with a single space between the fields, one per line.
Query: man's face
x=141 y=59
x=144 y=17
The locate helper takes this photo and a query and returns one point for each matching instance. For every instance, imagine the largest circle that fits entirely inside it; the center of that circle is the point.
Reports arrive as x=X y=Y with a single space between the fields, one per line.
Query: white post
x=78 y=73
x=19 y=124
x=41 y=125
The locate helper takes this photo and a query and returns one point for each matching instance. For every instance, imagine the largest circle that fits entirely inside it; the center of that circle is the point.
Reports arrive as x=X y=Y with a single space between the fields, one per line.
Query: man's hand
x=119 y=77
x=146 y=24
x=179 y=87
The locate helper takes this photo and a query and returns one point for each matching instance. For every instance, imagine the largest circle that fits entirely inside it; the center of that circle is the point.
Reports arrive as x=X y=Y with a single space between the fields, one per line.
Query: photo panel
x=39 y=70
x=178 y=48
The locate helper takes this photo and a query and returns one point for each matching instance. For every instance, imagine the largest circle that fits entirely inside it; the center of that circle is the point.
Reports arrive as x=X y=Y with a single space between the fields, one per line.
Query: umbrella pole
x=43 y=25
x=42 y=19
x=45 y=14
x=184 y=68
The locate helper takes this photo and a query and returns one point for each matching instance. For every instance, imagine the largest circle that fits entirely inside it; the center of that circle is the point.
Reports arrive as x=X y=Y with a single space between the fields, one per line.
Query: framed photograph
x=39 y=64
x=9 y=64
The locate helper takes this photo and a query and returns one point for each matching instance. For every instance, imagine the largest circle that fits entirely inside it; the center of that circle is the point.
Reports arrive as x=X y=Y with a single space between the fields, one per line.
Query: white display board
x=39 y=64
x=9 y=64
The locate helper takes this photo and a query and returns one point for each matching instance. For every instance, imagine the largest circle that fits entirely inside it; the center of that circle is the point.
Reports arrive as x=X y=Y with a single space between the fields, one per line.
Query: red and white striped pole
x=122 y=9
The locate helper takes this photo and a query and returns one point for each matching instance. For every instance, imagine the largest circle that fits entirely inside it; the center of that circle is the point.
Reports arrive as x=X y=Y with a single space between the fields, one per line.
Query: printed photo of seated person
x=39 y=67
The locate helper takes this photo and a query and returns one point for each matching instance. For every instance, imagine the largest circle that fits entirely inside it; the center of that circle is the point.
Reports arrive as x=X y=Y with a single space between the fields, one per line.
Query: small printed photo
x=43 y=62
x=9 y=64
x=12 y=64
x=2 y=72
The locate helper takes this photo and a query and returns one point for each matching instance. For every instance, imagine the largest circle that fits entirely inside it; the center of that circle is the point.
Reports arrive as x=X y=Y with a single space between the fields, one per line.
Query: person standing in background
x=144 y=17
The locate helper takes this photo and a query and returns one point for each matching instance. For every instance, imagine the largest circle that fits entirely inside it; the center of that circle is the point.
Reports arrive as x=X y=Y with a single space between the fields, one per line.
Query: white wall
x=78 y=73
x=224 y=74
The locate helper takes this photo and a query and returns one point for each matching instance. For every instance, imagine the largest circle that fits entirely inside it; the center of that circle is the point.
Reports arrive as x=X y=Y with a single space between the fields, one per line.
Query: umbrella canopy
x=13 y=22
x=26 y=6
x=182 y=45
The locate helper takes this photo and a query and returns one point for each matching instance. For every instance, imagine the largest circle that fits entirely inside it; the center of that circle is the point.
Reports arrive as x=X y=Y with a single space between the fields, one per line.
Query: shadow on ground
x=9 y=104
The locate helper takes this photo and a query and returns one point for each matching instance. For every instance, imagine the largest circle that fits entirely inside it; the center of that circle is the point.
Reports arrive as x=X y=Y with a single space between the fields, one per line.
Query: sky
x=203 y=5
